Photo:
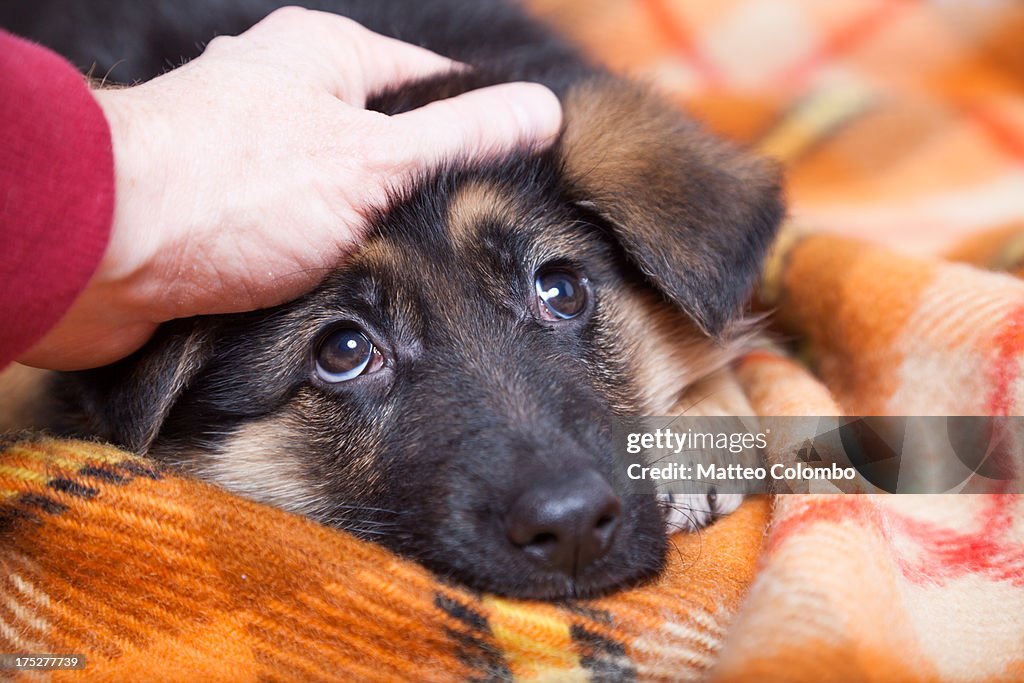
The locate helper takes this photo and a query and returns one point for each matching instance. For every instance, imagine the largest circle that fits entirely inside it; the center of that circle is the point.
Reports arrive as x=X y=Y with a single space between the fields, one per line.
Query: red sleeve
x=56 y=191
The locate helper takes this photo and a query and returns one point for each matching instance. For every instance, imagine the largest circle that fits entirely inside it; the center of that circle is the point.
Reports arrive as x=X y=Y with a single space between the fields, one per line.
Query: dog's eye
x=562 y=294
x=346 y=354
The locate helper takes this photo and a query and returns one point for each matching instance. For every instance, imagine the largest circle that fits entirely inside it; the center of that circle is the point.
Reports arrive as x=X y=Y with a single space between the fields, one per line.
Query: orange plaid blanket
x=900 y=121
x=154 y=577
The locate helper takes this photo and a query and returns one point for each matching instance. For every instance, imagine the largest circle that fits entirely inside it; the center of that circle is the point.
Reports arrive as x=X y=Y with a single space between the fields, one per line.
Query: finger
x=478 y=123
x=350 y=60
x=387 y=63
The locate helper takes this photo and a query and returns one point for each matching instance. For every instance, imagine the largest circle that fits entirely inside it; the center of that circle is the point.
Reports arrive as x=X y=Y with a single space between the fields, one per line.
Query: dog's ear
x=126 y=403
x=695 y=215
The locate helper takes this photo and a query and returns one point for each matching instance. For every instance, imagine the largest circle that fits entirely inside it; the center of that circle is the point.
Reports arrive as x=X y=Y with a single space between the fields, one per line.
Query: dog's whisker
x=696 y=403
x=356 y=531
x=712 y=513
x=366 y=508
x=304 y=271
x=363 y=522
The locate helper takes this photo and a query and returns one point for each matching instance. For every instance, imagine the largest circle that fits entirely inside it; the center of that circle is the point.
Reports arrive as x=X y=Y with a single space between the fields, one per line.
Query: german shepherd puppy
x=448 y=391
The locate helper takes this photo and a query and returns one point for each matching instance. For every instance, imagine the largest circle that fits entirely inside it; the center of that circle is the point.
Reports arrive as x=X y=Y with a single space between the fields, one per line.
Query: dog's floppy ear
x=695 y=215
x=126 y=403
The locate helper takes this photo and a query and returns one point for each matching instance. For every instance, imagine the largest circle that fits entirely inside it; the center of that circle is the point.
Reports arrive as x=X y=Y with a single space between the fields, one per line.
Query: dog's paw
x=692 y=511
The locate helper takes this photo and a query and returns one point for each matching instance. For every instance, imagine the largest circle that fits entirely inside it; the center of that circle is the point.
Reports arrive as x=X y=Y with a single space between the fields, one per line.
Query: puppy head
x=448 y=391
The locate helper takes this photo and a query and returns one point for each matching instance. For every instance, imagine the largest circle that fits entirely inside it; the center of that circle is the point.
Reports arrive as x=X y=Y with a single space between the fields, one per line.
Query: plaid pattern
x=899 y=121
x=158 y=578
x=887 y=588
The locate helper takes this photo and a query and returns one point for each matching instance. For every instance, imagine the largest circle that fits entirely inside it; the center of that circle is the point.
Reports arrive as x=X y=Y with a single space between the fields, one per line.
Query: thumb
x=481 y=122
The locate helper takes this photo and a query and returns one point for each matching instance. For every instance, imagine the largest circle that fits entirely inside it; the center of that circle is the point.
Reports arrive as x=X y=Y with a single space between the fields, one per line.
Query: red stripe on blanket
x=943 y=553
x=947 y=553
x=832 y=510
x=844 y=40
x=1007 y=136
x=676 y=33
x=1007 y=348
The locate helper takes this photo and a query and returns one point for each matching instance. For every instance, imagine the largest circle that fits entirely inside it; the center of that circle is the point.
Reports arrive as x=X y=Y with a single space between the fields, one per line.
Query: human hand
x=243 y=176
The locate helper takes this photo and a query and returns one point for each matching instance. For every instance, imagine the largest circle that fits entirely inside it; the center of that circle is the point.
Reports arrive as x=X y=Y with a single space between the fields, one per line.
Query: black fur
x=478 y=399
x=129 y=41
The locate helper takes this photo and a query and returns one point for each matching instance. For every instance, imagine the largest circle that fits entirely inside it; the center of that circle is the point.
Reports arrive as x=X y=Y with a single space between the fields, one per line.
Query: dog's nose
x=567 y=523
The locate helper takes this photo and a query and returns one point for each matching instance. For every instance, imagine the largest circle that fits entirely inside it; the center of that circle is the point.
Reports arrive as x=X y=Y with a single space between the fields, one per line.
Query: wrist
x=124 y=274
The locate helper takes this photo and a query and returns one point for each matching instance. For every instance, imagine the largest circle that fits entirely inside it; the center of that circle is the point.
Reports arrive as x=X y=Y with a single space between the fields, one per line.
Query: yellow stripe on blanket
x=536 y=642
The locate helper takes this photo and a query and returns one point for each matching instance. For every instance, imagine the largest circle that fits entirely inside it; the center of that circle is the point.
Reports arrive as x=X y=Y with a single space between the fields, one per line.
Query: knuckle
x=347 y=24
x=315 y=22
x=219 y=44
x=288 y=14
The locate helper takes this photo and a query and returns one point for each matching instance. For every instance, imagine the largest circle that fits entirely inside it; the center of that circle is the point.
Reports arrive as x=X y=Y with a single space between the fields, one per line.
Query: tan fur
x=260 y=463
x=611 y=128
x=669 y=354
x=717 y=395
x=474 y=203
x=694 y=213
x=625 y=145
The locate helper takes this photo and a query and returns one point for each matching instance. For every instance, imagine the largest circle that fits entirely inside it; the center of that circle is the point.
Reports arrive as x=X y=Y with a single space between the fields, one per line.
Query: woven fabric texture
x=898 y=121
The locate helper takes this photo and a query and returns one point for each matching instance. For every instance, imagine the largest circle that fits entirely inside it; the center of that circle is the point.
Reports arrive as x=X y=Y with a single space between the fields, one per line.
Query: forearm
x=56 y=191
